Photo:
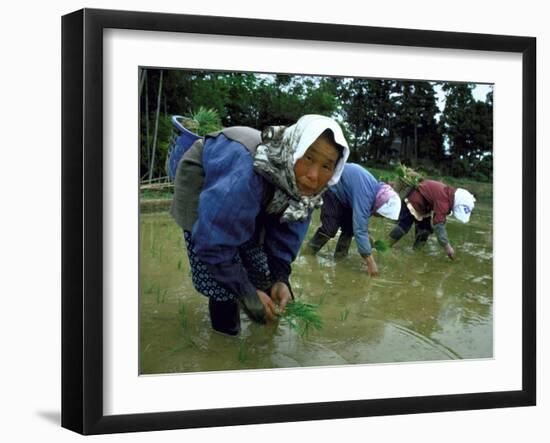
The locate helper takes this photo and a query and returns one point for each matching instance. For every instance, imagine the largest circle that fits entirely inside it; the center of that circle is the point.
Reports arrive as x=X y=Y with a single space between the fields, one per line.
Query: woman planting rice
x=348 y=205
x=427 y=206
x=244 y=201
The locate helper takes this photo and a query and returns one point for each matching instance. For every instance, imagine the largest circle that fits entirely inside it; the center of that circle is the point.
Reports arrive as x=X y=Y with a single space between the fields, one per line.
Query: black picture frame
x=82 y=220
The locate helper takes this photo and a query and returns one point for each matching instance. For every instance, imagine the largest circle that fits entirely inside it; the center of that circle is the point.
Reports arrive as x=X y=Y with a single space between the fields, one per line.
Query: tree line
x=385 y=121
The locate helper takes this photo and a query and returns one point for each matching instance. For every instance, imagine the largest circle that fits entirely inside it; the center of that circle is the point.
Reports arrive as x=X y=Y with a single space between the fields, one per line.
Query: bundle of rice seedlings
x=208 y=121
x=407 y=180
x=381 y=245
x=408 y=175
x=189 y=123
x=302 y=317
x=203 y=121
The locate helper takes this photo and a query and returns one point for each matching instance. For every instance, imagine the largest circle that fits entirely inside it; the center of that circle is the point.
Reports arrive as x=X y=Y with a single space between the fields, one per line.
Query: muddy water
x=422 y=306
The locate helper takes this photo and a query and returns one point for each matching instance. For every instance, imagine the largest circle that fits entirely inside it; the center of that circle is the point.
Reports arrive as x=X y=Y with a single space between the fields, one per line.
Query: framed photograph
x=429 y=327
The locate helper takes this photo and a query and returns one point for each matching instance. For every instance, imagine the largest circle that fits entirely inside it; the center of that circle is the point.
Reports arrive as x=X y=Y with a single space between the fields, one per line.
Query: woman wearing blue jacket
x=244 y=201
x=347 y=206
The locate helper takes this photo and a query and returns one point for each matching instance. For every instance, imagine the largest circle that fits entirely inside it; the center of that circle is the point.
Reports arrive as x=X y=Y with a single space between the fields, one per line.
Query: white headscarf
x=463 y=205
x=306 y=130
x=279 y=151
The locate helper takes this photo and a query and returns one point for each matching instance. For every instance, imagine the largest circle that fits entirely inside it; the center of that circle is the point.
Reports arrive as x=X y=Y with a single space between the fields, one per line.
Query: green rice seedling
x=302 y=317
x=182 y=315
x=179 y=264
x=407 y=179
x=207 y=120
x=409 y=175
x=187 y=343
x=323 y=297
x=177 y=348
x=344 y=314
x=381 y=245
x=153 y=248
x=149 y=288
x=160 y=295
x=157 y=293
x=242 y=353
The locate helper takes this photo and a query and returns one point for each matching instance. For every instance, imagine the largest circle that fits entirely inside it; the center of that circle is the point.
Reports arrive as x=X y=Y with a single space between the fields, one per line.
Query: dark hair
x=328 y=135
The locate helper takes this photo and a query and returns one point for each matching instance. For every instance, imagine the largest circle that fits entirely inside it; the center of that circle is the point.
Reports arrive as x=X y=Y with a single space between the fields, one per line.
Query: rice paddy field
x=422 y=307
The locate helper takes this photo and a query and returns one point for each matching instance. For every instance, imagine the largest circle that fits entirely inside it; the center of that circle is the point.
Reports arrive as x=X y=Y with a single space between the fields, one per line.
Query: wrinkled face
x=315 y=168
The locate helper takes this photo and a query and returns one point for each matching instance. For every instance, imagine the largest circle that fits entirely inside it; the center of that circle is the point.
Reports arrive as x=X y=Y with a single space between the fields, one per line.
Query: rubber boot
x=342 y=245
x=421 y=239
x=395 y=234
x=224 y=316
x=316 y=243
x=253 y=307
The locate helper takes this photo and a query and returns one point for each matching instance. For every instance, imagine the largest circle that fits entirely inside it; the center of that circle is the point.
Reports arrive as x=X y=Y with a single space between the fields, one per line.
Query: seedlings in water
x=323 y=296
x=158 y=295
x=344 y=314
x=153 y=245
x=188 y=342
x=161 y=295
x=182 y=314
x=302 y=317
x=242 y=353
x=381 y=245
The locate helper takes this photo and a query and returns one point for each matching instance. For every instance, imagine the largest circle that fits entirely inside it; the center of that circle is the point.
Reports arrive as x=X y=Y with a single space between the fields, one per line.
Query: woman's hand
x=450 y=251
x=269 y=306
x=281 y=294
x=372 y=267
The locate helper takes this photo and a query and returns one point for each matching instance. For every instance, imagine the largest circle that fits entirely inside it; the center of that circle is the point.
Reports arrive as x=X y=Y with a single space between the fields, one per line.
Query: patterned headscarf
x=279 y=151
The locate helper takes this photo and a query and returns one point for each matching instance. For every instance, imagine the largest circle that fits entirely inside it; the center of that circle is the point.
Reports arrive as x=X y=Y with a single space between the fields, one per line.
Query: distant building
x=395 y=147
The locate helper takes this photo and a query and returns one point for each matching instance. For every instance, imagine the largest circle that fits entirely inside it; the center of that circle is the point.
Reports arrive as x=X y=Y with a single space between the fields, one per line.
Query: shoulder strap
x=248 y=137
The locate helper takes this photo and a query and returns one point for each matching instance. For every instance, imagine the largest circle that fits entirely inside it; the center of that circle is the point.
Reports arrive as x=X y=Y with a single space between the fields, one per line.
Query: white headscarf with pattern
x=279 y=151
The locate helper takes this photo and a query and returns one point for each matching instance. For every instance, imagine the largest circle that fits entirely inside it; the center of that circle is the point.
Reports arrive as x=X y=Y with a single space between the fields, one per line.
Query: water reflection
x=422 y=307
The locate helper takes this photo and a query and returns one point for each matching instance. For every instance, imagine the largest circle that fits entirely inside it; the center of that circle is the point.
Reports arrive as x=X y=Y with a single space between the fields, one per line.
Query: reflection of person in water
x=427 y=207
x=244 y=201
x=347 y=206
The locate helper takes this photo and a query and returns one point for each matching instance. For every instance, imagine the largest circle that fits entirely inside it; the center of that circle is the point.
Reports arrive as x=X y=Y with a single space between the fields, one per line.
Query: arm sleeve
x=441 y=234
x=228 y=206
x=439 y=216
x=435 y=194
x=441 y=208
x=361 y=232
x=282 y=244
x=361 y=208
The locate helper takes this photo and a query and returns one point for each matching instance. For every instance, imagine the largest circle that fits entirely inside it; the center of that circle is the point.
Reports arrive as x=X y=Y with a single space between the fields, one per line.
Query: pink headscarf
x=387 y=202
x=384 y=194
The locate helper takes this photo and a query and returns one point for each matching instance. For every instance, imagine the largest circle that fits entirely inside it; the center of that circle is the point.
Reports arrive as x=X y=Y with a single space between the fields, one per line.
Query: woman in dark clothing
x=427 y=207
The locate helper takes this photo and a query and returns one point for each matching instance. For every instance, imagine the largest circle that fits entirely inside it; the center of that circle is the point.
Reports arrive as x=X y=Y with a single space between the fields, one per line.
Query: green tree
x=352 y=93
x=416 y=123
x=468 y=127
x=380 y=115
